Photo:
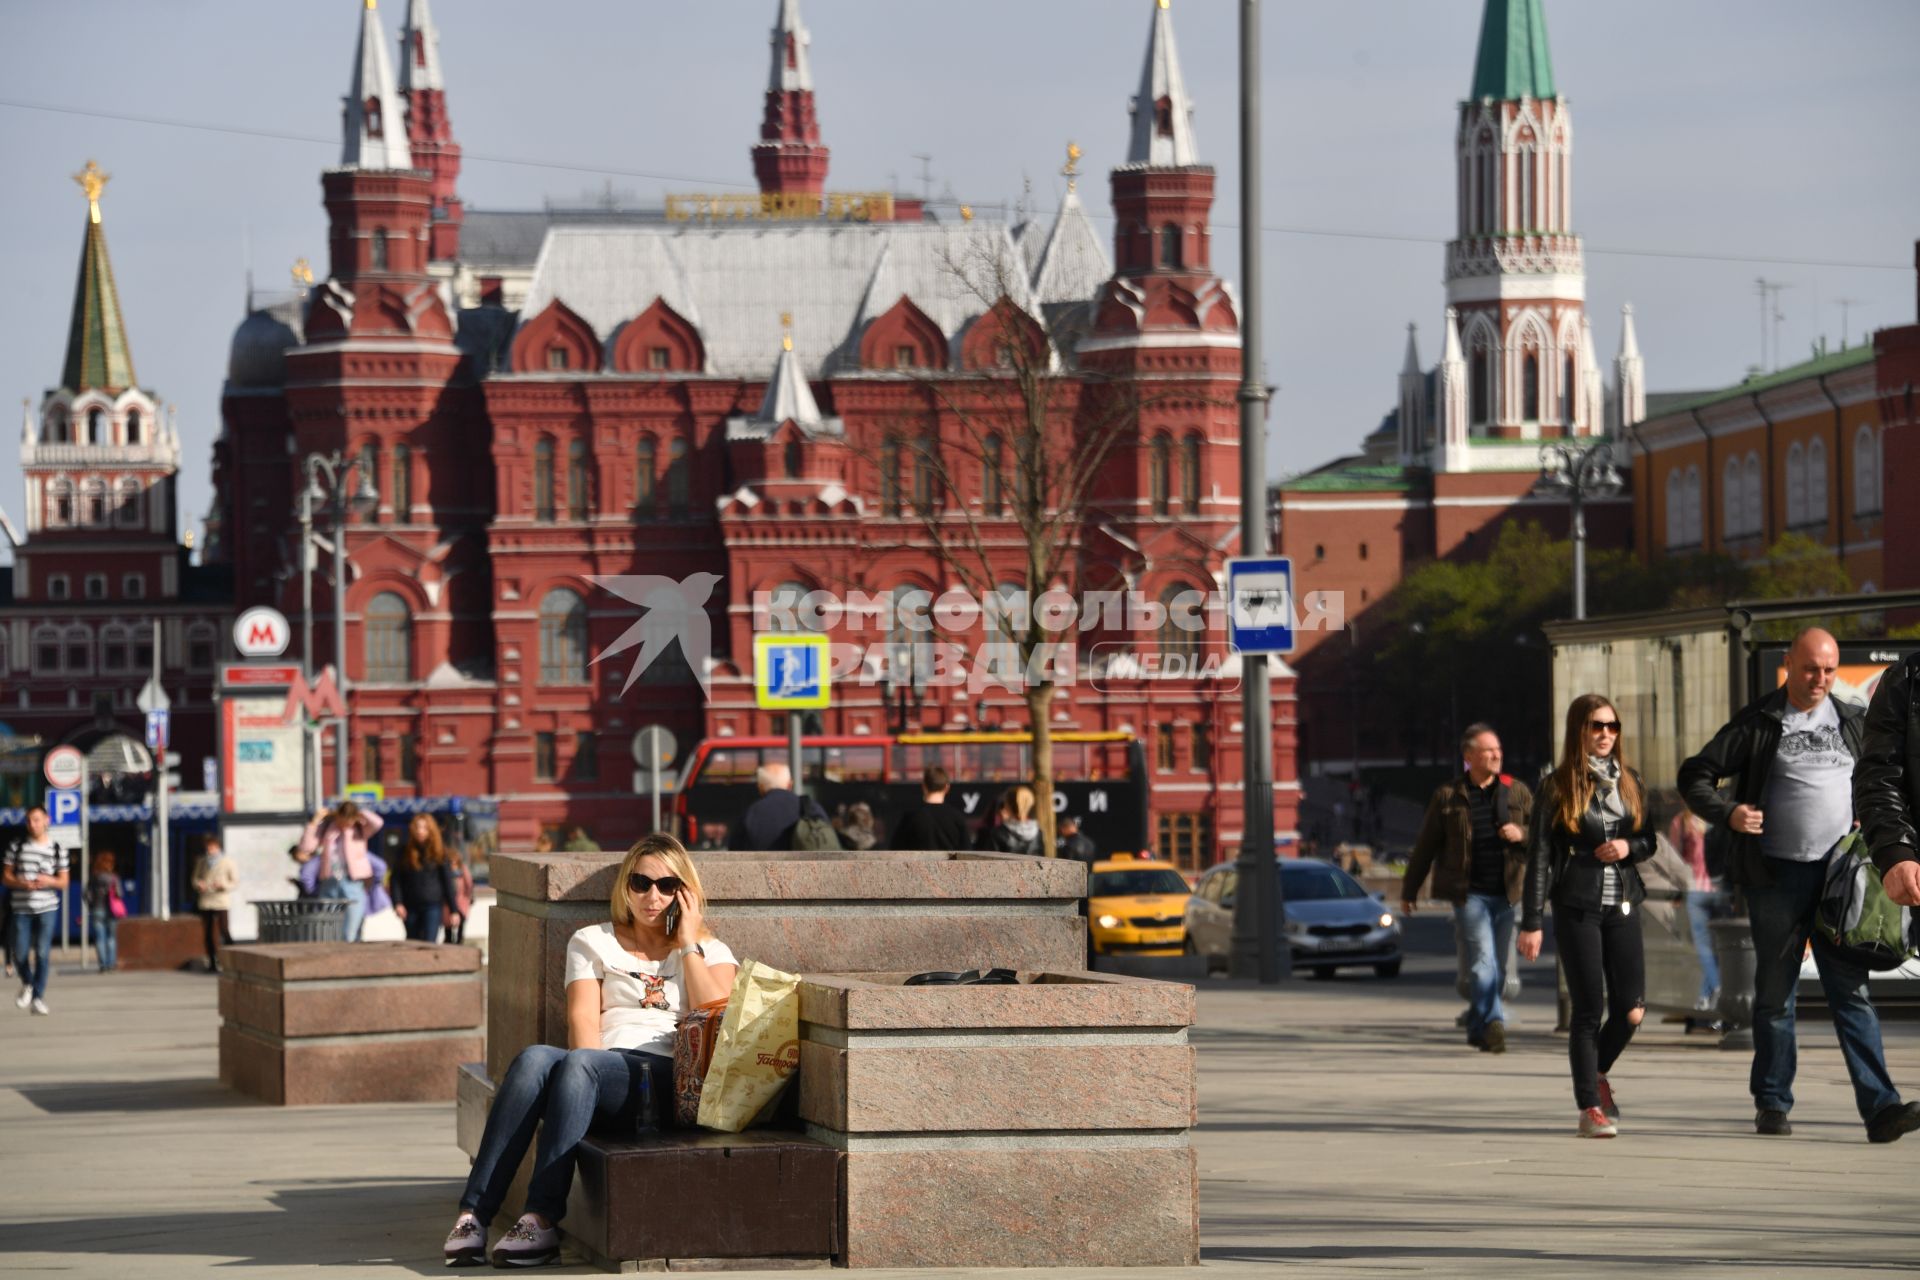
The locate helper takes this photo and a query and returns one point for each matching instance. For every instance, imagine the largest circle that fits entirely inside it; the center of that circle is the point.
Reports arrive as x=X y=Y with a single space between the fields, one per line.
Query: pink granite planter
x=988 y=1126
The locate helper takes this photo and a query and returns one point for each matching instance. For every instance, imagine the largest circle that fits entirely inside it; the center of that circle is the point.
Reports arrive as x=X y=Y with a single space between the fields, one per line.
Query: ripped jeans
x=1606 y=969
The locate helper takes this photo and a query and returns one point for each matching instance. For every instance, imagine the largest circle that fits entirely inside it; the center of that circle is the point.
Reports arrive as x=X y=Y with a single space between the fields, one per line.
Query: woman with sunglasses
x=628 y=984
x=1589 y=831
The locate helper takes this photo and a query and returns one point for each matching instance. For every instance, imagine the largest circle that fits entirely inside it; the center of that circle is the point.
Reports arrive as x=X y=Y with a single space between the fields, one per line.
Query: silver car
x=1329 y=920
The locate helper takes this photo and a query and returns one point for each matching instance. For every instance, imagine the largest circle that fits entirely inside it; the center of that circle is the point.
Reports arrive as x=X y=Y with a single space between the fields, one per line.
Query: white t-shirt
x=641 y=1001
x=1808 y=799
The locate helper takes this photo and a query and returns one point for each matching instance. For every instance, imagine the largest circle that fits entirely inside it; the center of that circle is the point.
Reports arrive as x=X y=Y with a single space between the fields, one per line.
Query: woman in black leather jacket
x=1590 y=829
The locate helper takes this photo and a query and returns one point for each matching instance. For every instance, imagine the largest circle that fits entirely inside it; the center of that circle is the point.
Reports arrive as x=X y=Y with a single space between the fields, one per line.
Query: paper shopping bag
x=757 y=1051
x=692 y=1054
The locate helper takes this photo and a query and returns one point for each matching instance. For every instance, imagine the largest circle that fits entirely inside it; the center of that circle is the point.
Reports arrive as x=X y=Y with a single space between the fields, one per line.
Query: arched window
x=543 y=480
x=1528 y=160
x=93 y=502
x=925 y=481
x=643 y=475
x=1190 y=475
x=890 y=477
x=563 y=637
x=1480 y=389
x=1816 y=481
x=1690 y=498
x=46 y=651
x=60 y=504
x=793 y=459
x=115 y=652
x=1866 y=473
x=1159 y=461
x=679 y=480
x=1796 y=485
x=126 y=502
x=1754 y=494
x=577 y=500
x=371 y=109
x=993 y=486
x=1566 y=393
x=402 y=483
x=59 y=428
x=1530 y=386
x=379 y=249
x=1676 y=510
x=1185 y=622
x=96 y=427
x=78 y=642
x=389 y=640
x=1170 y=246
x=1733 y=506
x=370 y=473
x=134 y=427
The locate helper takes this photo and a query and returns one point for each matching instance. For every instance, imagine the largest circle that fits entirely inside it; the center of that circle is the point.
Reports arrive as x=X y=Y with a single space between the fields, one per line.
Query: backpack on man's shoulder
x=814 y=834
x=1855 y=918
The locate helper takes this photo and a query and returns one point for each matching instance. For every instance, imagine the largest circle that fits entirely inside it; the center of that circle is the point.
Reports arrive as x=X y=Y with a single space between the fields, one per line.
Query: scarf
x=1606 y=786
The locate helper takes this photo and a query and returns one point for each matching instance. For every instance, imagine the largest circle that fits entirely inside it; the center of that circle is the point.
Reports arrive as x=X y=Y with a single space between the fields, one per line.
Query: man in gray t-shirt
x=1790 y=757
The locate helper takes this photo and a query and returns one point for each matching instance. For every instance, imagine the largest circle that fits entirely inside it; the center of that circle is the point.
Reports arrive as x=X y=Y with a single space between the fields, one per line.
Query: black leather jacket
x=1886 y=781
x=1560 y=863
x=1743 y=751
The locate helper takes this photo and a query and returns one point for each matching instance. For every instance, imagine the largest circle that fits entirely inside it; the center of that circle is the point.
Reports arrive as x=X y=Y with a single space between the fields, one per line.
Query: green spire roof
x=1513 y=61
x=98 y=357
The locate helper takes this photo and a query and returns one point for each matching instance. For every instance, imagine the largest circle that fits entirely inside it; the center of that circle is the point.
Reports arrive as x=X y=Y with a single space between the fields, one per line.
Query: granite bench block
x=309 y=1023
x=876 y=1001
x=1023 y=1207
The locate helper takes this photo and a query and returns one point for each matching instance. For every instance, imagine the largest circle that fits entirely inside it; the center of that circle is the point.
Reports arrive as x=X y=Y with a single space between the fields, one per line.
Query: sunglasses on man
x=668 y=885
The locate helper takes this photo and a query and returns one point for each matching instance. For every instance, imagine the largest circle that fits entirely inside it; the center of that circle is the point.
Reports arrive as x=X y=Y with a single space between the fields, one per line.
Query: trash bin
x=303 y=920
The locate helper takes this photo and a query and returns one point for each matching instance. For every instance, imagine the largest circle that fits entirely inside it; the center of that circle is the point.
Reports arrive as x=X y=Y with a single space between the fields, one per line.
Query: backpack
x=1855 y=918
x=814 y=834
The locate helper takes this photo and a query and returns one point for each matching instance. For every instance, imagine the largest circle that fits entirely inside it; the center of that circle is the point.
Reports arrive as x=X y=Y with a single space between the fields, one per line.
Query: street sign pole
x=162 y=875
x=86 y=856
x=653 y=770
x=793 y=753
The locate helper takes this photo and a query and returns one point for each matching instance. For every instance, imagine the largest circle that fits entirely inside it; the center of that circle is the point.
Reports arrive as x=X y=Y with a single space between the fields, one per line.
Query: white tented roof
x=1073 y=264
x=733 y=283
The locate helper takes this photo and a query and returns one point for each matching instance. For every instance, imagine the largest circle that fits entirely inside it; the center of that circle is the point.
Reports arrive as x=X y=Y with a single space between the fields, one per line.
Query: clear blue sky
x=1704 y=130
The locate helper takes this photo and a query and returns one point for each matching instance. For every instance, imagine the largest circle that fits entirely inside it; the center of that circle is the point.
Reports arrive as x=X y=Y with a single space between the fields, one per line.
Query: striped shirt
x=26 y=860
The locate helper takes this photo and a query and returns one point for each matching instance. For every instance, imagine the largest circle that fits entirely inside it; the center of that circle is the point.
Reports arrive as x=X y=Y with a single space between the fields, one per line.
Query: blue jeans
x=563 y=1091
x=1702 y=906
x=1486 y=924
x=102 y=927
x=356 y=895
x=423 y=923
x=32 y=942
x=1782 y=918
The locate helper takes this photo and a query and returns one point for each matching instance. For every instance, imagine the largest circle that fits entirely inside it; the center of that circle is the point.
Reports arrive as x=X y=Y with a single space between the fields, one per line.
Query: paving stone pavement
x=1344 y=1131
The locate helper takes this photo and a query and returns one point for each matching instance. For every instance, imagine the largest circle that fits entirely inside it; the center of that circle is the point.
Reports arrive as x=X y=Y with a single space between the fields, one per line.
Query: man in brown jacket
x=1473 y=840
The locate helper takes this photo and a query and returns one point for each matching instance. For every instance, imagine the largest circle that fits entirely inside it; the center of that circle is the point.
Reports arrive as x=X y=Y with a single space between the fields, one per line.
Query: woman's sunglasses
x=668 y=885
x=1605 y=726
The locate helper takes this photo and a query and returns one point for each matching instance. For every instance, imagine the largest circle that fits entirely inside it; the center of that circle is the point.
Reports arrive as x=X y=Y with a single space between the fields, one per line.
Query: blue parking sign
x=1260 y=604
x=63 y=808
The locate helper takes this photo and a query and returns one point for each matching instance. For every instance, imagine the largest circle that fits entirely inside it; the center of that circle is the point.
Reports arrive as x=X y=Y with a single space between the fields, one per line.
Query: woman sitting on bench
x=629 y=982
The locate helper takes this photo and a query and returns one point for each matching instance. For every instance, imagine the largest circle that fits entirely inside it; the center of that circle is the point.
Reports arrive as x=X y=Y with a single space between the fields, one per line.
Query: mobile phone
x=673 y=918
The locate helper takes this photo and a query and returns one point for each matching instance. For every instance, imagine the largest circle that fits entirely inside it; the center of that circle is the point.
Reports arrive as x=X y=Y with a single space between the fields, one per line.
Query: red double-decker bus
x=1100 y=778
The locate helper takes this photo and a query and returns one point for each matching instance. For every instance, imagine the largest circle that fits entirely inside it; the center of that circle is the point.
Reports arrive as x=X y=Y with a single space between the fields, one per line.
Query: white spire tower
x=1162 y=112
x=1450 y=396
x=1629 y=377
x=375 y=127
x=420 y=50
x=1413 y=402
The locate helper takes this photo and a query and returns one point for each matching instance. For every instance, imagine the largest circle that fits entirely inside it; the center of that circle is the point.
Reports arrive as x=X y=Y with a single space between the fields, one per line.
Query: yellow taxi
x=1137 y=906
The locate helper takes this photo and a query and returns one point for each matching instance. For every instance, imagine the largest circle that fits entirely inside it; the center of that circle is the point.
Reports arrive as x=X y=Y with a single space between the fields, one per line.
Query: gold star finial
x=375 y=4
x=302 y=272
x=1164 y=4
x=786 y=326
x=1071 y=169
x=93 y=180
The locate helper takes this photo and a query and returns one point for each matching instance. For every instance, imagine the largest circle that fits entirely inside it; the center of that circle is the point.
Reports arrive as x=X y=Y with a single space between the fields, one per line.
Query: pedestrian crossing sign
x=790 y=672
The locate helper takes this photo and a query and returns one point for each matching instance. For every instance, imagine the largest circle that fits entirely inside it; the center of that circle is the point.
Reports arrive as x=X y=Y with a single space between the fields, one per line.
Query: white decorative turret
x=1629 y=378
x=1413 y=402
x=1450 y=401
x=789 y=71
x=1162 y=112
x=420 y=50
x=788 y=398
x=1592 y=415
x=374 y=125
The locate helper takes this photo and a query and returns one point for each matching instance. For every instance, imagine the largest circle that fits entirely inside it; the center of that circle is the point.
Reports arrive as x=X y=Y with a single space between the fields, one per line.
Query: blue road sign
x=1260 y=604
x=63 y=808
x=790 y=672
x=157 y=727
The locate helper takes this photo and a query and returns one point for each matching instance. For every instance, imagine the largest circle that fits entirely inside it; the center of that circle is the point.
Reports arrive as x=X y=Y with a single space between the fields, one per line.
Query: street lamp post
x=1580 y=472
x=334 y=468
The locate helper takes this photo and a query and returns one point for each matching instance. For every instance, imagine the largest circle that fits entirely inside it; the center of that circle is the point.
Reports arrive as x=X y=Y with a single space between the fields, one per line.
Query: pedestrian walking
x=426 y=889
x=35 y=868
x=1886 y=781
x=1071 y=842
x=1473 y=840
x=774 y=821
x=454 y=931
x=855 y=826
x=214 y=880
x=106 y=907
x=1790 y=755
x=337 y=840
x=628 y=983
x=933 y=824
x=1015 y=829
x=1589 y=830
x=1687 y=833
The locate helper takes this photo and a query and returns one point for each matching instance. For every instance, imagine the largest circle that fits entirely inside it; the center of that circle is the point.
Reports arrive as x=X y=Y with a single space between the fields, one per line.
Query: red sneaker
x=1607 y=1104
x=1594 y=1124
